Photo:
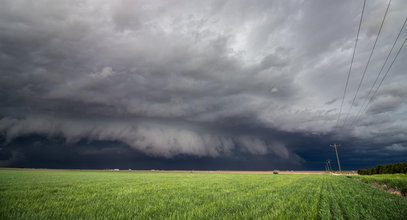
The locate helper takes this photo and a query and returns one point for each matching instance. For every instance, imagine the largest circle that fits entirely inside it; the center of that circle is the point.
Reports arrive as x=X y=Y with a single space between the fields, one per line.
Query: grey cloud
x=385 y=104
x=397 y=147
x=331 y=101
x=126 y=70
x=389 y=98
x=151 y=138
x=272 y=61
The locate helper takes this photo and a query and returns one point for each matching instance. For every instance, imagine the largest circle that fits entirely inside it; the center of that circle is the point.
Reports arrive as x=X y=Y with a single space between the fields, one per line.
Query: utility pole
x=328 y=166
x=337 y=157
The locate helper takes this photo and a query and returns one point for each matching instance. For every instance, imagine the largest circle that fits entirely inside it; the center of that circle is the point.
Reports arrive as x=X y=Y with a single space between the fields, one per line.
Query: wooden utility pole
x=337 y=157
x=328 y=166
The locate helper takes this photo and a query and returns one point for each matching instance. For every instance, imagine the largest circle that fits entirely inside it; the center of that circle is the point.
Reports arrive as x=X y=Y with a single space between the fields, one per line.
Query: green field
x=387 y=181
x=28 y=194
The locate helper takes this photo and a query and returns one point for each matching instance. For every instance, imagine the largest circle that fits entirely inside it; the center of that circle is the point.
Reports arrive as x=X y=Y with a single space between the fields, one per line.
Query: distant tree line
x=385 y=169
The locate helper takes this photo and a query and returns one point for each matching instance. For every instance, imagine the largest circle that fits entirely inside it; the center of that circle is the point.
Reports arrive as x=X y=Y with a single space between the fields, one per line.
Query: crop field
x=26 y=194
x=396 y=182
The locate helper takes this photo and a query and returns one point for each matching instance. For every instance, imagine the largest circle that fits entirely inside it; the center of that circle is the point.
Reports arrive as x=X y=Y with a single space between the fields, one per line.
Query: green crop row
x=148 y=195
x=387 y=181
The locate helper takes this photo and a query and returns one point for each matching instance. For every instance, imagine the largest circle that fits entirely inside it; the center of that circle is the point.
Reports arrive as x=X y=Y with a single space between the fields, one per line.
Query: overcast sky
x=199 y=84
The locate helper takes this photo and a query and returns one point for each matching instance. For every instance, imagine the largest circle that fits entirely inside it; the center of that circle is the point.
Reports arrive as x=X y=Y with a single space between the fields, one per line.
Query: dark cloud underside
x=170 y=83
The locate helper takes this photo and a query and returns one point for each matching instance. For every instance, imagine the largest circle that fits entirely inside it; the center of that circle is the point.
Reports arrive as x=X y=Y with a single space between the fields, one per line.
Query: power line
x=346 y=85
x=368 y=62
x=351 y=64
x=378 y=75
x=385 y=75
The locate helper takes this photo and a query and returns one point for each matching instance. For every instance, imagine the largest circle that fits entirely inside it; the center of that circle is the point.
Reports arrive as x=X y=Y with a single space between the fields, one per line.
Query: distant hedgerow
x=385 y=169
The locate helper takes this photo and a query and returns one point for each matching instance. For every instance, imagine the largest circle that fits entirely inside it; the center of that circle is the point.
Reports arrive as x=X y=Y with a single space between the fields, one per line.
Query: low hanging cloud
x=197 y=78
x=151 y=138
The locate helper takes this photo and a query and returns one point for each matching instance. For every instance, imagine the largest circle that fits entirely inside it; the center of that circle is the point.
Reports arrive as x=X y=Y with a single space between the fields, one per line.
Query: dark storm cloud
x=206 y=79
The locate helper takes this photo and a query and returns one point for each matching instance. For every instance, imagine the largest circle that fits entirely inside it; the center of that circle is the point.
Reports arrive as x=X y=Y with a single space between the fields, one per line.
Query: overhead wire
x=367 y=64
x=351 y=65
x=378 y=76
x=385 y=75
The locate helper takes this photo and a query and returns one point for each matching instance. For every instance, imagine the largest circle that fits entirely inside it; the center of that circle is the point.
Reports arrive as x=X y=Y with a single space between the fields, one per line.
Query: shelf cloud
x=205 y=79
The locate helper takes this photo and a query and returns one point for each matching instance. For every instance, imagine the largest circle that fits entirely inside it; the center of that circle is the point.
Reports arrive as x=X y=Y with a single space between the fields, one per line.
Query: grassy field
x=150 y=195
x=387 y=181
